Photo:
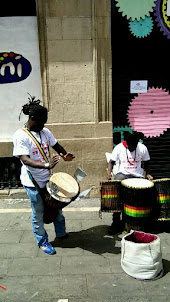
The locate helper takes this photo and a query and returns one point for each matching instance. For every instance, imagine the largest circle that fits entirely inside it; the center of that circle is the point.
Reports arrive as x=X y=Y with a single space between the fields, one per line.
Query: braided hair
x=33 y=108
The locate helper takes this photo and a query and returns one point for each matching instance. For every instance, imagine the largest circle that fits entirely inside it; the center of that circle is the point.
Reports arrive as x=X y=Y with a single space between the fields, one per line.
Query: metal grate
x=10 y=172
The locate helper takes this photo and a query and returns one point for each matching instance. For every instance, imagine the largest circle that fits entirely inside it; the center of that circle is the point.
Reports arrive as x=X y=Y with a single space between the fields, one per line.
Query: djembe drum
x=110 y=192
x=162 y=207
x=138 y=198
x=61 y=190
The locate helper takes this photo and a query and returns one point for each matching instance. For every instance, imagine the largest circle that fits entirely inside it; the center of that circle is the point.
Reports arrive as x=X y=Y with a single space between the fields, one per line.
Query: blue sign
x=13 y=67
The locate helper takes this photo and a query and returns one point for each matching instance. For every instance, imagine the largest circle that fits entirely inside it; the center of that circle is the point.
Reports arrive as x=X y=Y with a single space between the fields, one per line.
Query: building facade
x=76 y=76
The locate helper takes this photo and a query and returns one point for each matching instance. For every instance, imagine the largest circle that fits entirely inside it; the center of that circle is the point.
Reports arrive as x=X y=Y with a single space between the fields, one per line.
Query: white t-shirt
x=130 y=162
x=24 y=145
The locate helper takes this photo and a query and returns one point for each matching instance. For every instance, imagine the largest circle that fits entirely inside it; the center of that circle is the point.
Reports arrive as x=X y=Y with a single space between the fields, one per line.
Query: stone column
x=75 y=47
x=101 y=21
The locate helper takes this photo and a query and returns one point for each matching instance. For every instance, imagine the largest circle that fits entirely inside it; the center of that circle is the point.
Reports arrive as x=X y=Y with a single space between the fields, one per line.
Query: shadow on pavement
x=166 y=266
x=95 y=240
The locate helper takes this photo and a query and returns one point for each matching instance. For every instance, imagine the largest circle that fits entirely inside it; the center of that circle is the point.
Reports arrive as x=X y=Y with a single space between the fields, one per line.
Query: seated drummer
x=129 y=154
x=39 y=164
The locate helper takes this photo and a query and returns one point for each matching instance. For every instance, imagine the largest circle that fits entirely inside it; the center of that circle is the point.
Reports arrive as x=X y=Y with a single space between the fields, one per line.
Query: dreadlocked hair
x=33 y=108
x=134 y=137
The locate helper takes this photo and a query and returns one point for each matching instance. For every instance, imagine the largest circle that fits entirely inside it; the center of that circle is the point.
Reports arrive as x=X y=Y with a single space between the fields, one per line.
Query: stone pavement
x=86 y=267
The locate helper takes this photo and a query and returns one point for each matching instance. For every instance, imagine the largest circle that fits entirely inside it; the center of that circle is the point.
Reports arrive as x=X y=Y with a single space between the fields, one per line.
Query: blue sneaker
x=47 y=248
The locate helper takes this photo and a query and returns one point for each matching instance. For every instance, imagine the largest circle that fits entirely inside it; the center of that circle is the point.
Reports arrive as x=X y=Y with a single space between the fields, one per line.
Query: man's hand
x=67 y=156
x=54 y=160
x=149 y=177
x=109 y=173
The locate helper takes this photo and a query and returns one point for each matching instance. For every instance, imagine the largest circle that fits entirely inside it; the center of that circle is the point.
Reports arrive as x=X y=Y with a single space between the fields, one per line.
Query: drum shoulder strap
x=37 y=143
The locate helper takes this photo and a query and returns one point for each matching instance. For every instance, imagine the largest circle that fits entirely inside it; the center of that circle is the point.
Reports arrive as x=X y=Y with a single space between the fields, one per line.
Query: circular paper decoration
x=150 y=112
x=161 y=17
x=135 y=9
x=141 y=28
x=13 y=67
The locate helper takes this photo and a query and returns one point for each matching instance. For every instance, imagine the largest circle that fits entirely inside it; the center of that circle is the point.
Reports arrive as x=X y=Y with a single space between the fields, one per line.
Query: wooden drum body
x=162 y=207
x=61 y=190
x=110 y=191
x=137 y=195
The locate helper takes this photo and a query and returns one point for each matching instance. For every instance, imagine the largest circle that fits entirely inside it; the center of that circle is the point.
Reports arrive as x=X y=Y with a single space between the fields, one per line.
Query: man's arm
x=146 y=166
x=63 y=153
x=110 y=168
x=37 y=164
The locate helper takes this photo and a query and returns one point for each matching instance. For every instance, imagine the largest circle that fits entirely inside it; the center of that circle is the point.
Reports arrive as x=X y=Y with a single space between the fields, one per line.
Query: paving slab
x=17 y=193
x=72 y=242
x=44 y=288
x=85 y=265
x=155 y=298
x=74 y=299
x=73 y=225
x=5 y=219
x=28 y=237
x=104 y=246
x=81 y=215
x=20 y=223
x=115 y=263
x=85 y=202
x=110 y=285
x=162 y=284
x=35 y=266
x=110 y=299
x=60 y=251
x=96 y=222
x=14 y=203
x=164 y=236
x=10 y=236
x=18 y=250
x=4 y=267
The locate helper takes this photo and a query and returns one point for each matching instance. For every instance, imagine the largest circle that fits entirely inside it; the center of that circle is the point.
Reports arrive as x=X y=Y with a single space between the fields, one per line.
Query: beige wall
x=75 y=52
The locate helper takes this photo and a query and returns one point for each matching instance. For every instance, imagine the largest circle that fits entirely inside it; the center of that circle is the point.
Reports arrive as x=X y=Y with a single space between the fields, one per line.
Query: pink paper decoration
x=150 y=112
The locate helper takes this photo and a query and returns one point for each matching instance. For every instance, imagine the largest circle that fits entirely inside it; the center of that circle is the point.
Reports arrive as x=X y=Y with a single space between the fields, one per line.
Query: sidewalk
x=86 y=267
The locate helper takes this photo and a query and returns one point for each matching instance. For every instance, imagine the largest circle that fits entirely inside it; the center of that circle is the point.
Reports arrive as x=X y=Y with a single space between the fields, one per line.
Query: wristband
x=46 y=165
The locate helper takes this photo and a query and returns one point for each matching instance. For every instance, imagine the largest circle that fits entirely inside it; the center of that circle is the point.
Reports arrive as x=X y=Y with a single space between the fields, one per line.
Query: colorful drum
x=110 y=191
x=61 y=190
x=162 y=187
x=138 y=198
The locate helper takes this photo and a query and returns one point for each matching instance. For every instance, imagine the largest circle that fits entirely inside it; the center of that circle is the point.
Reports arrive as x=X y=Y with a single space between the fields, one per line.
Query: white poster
x=138 y=86
x=19 y=70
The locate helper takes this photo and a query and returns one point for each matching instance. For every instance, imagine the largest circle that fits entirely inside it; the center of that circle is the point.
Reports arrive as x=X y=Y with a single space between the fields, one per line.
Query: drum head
x=62 y=186
x=137 y=183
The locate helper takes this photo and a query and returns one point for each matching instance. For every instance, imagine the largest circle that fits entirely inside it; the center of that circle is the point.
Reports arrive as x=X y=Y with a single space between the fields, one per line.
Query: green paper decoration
x=135 y=9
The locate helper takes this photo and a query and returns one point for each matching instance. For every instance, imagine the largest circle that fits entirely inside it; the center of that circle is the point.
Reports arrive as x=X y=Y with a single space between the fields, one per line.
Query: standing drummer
x=129 y=154
x=33 y=162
